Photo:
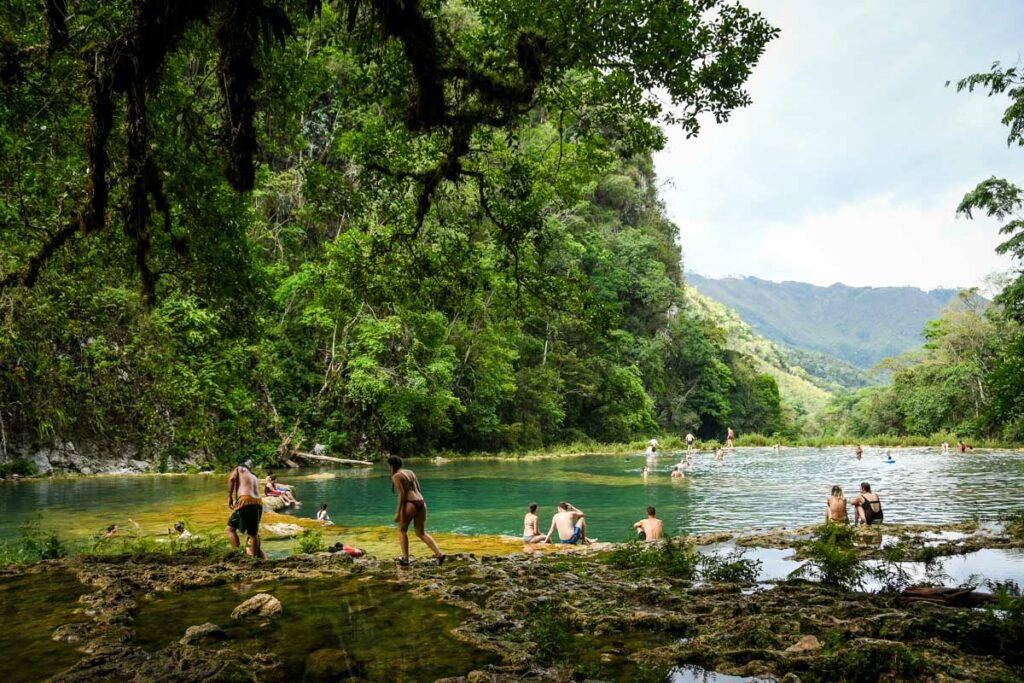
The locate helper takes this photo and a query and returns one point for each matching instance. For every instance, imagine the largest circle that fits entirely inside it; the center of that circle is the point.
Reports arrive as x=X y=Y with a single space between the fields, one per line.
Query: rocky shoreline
x=571 y=616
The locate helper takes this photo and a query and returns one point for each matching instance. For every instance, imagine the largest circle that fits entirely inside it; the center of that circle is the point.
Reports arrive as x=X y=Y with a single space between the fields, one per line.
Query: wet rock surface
x=559 y=617
x=260 y=606
x=203 y=634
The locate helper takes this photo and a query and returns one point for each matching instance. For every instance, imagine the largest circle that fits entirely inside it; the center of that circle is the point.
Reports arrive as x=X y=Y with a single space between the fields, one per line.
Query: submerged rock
x=203 y=634
x=259 y=606
x=327 y=664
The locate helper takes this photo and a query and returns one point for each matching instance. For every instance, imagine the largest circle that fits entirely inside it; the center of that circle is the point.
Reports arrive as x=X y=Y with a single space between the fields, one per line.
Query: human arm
x=547 y=538
x=232 y=487
x=399 y=486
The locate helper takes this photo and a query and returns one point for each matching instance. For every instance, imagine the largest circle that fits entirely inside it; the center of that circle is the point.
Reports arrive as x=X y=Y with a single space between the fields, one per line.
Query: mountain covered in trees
x=231 y=228
x=858 y=325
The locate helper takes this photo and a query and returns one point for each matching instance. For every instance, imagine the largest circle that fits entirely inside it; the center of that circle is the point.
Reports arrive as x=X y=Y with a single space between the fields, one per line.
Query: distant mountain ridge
x=807 y=380
x=859 y=325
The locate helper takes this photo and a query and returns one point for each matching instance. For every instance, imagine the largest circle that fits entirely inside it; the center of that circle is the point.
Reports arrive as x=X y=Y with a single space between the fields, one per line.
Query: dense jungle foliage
x=238 y=228
x=969 y=377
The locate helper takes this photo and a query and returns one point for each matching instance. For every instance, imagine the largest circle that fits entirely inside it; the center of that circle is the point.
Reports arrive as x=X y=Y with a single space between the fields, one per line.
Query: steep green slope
x=796 y=386
x=860 y=325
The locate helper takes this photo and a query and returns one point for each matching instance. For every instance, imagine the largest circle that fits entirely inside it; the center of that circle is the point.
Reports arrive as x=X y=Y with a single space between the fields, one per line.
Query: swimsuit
x=576 y=533
x=247 y=515
x=870 y=515
x=418 y=504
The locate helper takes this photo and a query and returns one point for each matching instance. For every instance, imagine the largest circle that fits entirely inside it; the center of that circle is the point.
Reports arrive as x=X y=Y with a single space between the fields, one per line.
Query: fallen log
x=328 y=458
x=953 y=597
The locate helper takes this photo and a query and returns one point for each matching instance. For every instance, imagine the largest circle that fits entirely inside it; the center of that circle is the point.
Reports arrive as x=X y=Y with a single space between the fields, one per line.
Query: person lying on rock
x=571 y=526
x=247 y=509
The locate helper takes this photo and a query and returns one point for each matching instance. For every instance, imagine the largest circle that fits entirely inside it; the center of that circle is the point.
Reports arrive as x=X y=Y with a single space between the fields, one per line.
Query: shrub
x=731 y=568
x=310 y=541
x=832 y=557
x=22 y=468
x=672 y=557
x=33 y=545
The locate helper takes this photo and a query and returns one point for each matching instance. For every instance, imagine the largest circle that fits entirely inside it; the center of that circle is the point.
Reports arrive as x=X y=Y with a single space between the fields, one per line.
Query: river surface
x=752 y=488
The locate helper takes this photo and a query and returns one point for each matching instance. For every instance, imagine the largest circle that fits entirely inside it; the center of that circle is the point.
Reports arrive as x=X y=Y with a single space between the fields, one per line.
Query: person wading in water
x=247 y=509
x=412 y=509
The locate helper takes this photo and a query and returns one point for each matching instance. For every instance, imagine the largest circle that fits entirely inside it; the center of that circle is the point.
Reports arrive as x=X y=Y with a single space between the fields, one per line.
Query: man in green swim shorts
x=247 y=509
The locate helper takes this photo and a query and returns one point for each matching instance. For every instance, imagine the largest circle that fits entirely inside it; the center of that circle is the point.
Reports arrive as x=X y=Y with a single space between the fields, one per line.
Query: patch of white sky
x=850 y=162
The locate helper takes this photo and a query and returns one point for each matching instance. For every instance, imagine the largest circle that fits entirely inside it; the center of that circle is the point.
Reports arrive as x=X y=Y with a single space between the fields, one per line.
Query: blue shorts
x=576 y=533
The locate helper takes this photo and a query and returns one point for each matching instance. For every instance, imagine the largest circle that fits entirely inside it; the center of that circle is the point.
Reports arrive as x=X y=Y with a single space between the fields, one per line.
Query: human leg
x=420 y=523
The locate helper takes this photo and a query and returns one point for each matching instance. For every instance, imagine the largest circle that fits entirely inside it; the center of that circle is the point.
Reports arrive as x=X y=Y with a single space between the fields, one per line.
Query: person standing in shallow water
x=247 y=509
x=412 y=509
x=729 y=436
x=859 y=452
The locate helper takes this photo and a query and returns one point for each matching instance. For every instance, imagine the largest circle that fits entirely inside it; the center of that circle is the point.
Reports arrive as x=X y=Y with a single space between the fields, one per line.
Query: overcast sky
x=850 y=162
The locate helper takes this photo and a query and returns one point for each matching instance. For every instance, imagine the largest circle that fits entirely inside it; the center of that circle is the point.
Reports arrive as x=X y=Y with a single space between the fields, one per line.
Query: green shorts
x=246 y=519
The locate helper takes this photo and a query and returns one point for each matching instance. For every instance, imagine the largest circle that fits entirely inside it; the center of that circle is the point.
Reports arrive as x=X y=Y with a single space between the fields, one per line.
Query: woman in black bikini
x=411 y=509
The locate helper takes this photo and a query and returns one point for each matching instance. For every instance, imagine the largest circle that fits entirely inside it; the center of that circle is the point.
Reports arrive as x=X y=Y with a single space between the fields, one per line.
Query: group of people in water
x=568 y=524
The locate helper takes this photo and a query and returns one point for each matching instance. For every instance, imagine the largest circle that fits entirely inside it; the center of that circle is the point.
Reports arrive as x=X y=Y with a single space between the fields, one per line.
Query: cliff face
x=90 y=457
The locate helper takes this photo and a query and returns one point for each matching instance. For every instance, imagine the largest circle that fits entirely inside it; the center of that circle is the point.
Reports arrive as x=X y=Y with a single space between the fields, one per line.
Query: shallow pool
x=753 y=487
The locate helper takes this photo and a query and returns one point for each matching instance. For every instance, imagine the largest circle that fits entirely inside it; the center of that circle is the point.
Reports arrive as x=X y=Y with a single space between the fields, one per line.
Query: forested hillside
x=802 y=393
x=392 y=227
x=859 y=325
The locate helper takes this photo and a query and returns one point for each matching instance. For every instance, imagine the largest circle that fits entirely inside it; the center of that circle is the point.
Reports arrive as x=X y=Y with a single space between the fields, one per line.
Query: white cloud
x=850 y=162
x=873 y=242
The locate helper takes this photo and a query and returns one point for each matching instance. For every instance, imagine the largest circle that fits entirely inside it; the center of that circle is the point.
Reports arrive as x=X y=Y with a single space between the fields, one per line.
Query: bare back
x=248 y=483
x=530 y=526
x=652 y=527
x=409 y=483
x=837 y=509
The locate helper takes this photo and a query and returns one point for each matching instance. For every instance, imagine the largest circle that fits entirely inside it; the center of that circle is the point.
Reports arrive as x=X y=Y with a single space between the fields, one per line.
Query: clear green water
x=31 y=607
x=386 y=634
x=751 y=488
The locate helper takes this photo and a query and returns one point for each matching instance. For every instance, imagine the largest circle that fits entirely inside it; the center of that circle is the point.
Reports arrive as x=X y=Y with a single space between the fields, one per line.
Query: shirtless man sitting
x=247 y=509
x=649 y=529
x=571 y=526
x=531 y=526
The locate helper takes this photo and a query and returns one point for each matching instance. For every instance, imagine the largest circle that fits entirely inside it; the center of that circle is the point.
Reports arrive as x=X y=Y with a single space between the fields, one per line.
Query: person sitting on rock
x=183 y=533
x=271 y=488
x=571 y=526
x=867 y=505
x=835 y=507
x=531 y=526
x=649 y=529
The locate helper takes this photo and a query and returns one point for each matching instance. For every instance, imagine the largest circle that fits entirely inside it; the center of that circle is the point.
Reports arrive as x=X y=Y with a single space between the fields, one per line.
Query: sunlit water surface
x=752 y=488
